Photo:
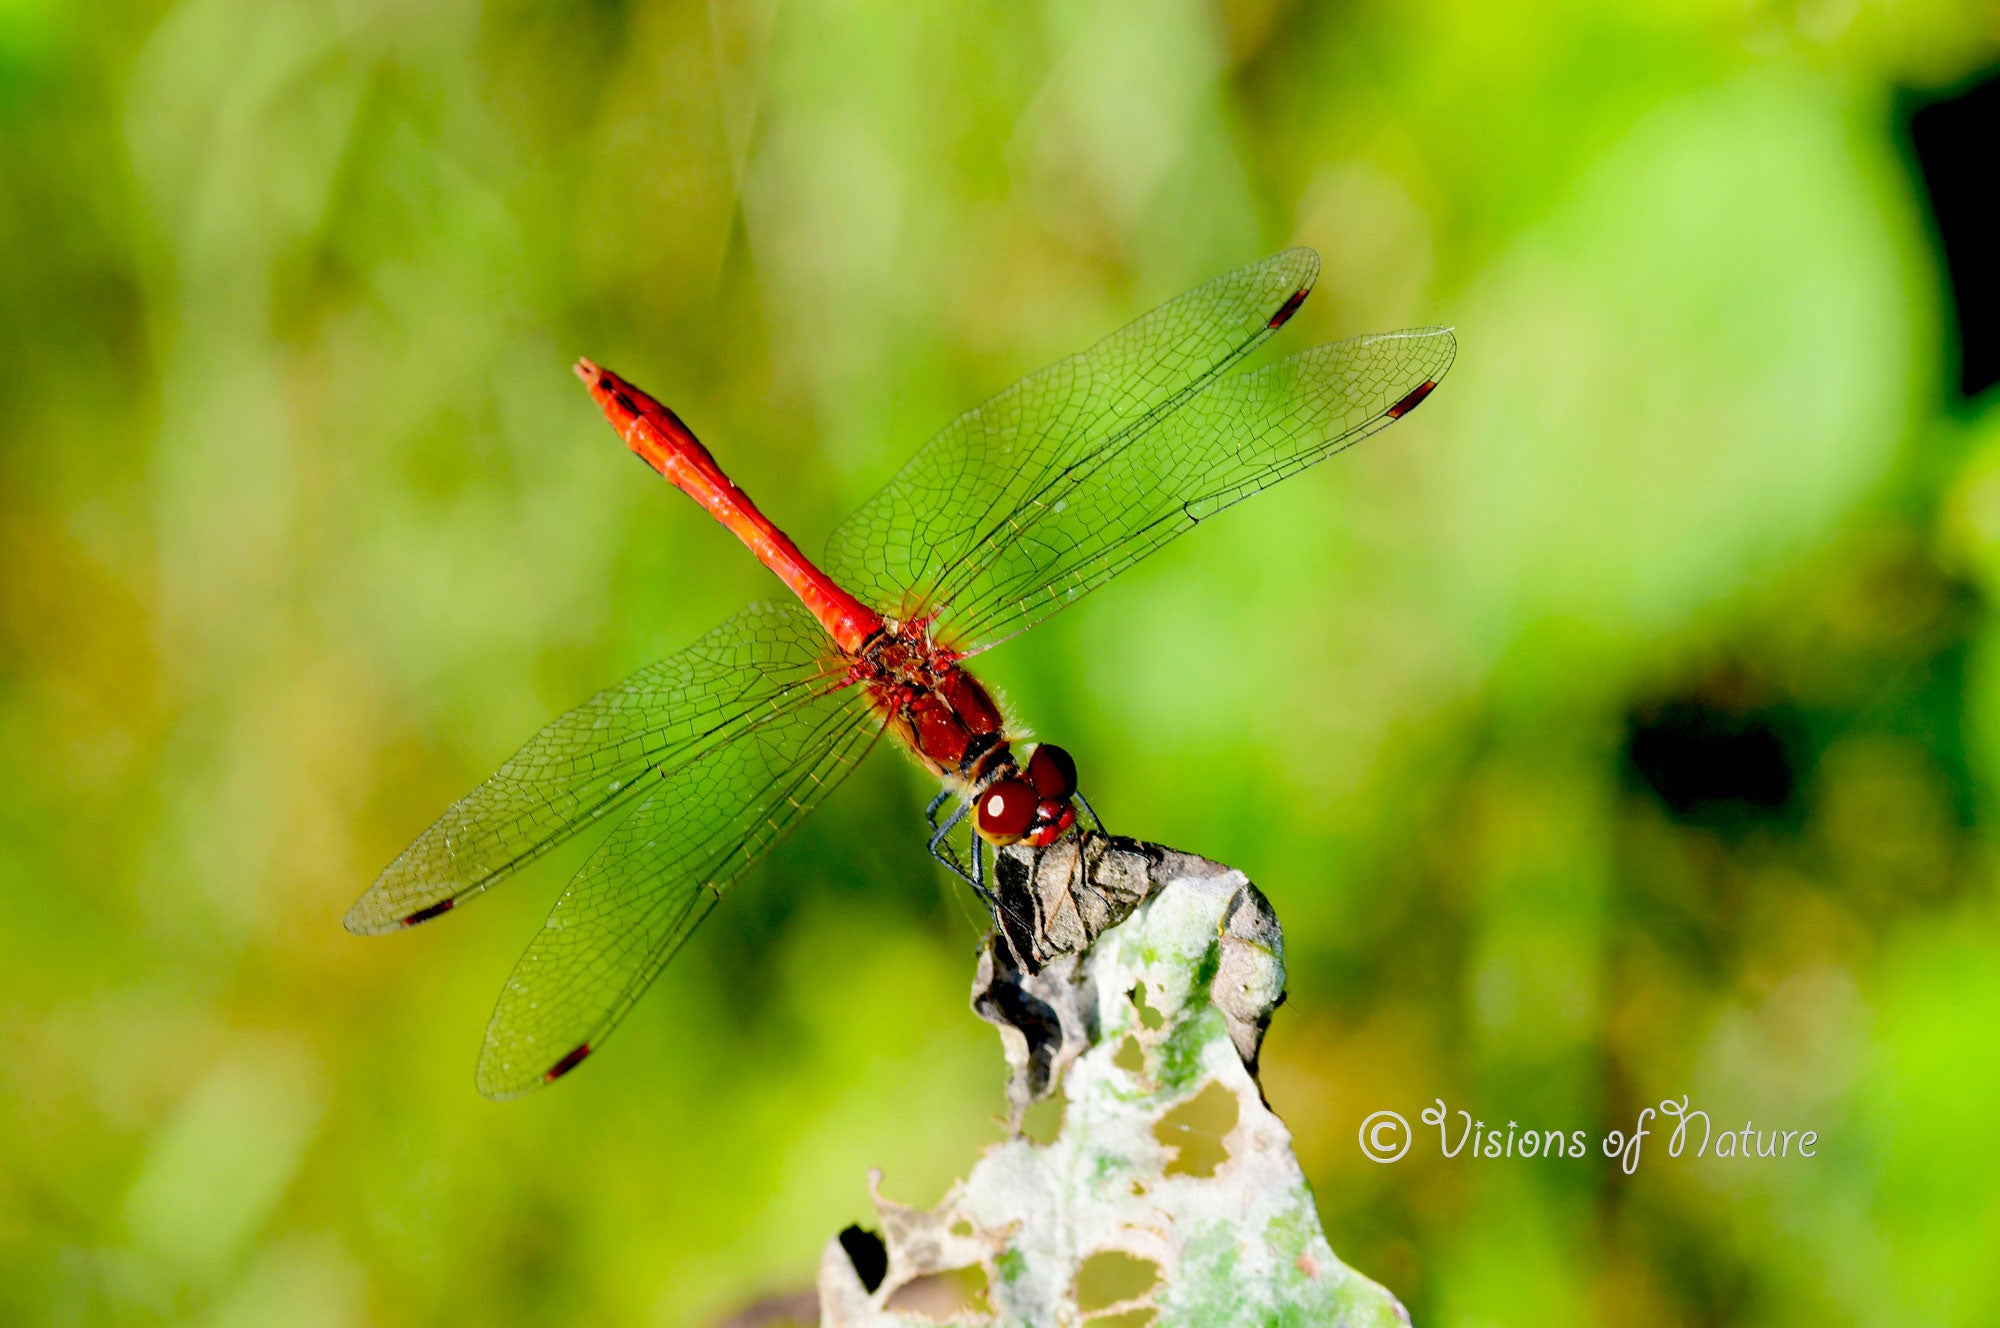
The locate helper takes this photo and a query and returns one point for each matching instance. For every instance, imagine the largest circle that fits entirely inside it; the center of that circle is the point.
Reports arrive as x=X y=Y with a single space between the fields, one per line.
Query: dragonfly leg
x=938 y=848
x=976 y=878
x=936 y=845
x=1078 y=795
x=986 y=896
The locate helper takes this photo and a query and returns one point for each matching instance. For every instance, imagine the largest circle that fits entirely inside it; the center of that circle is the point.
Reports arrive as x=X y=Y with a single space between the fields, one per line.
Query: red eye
x=1006 y=809
x=1052 y=771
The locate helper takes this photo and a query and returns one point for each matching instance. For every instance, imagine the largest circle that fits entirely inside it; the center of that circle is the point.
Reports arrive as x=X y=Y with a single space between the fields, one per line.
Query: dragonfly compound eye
x=1052 y=771
x=1006 y=810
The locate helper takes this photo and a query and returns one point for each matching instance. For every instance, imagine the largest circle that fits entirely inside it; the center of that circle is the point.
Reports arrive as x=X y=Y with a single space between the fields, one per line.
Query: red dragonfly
x=1017 y=509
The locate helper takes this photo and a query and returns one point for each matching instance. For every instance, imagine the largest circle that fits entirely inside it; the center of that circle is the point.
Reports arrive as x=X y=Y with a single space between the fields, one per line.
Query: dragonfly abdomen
x=662 y=441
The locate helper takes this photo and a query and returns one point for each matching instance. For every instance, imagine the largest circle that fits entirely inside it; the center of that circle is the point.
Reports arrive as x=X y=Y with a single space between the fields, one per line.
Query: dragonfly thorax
x=950 y=723
x=942 y=714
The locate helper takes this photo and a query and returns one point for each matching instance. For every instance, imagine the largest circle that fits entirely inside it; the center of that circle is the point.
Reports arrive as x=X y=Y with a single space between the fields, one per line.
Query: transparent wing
x=646 y=889
x=1241 y=434
x=768 y=660
x=928 y=535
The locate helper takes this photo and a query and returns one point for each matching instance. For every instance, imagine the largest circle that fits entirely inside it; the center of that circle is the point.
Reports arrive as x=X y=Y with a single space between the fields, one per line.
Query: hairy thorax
x=941 y=712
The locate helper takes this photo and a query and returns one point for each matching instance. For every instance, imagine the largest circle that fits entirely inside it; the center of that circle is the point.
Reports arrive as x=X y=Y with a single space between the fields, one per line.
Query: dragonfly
x=1017 y=509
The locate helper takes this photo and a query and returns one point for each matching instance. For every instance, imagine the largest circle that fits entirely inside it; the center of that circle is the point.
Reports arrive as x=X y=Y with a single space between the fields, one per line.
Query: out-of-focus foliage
x=304 y=524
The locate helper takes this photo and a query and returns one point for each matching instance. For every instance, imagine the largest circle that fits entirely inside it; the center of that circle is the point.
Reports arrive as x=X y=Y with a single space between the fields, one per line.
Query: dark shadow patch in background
x=1956 y=141
x=1714 y=764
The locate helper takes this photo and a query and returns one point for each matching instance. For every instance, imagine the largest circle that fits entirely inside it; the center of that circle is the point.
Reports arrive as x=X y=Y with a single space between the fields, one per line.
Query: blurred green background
x=1625 y=724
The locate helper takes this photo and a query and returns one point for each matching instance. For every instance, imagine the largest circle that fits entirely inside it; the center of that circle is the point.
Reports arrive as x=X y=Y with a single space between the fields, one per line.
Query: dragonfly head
x=1031 y=805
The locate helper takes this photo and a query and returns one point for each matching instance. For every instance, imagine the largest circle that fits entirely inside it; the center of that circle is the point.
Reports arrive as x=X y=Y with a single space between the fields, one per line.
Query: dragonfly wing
x=945 y=513
x=650 y=884
x=1239 y=435
x=767 y=660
